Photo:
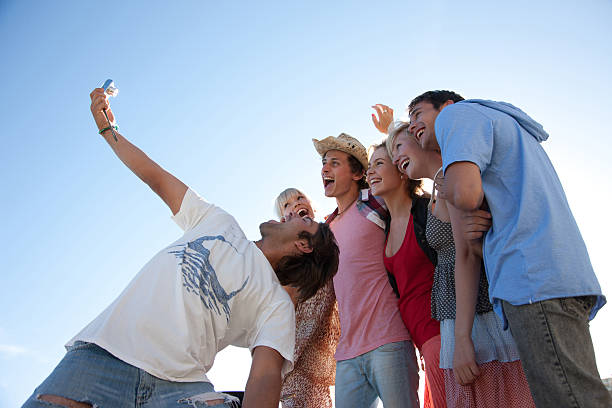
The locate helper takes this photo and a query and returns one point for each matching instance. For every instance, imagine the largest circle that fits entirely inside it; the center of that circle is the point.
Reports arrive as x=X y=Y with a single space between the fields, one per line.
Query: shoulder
x=373 y=208
x=473 y=111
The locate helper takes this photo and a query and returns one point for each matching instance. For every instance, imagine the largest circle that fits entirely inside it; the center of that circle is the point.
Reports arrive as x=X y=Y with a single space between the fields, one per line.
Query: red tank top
x=413 y=272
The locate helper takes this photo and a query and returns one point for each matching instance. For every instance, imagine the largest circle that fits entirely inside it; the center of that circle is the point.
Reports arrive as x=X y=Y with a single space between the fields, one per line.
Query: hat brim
x=332 y=143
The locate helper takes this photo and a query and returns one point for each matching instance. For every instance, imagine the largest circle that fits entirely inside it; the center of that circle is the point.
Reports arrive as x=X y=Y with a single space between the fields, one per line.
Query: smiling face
x=293 y=201
x=382 y=174
x=338 y=177
x=422 y=120
x=409 y=157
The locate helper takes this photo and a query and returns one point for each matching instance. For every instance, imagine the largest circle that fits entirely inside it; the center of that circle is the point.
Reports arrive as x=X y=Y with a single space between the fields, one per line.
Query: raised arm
x=264 y=384
x=170 y=189
x=383 y=117
x=467 y=278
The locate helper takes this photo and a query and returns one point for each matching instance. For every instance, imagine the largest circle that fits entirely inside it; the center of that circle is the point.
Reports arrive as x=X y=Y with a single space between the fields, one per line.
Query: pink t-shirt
x=369 y=313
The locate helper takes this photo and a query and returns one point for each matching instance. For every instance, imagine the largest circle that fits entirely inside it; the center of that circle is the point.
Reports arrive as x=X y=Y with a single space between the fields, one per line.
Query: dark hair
x=414 y=188
x=357 y=168
x=309 y=272
x=436 y=98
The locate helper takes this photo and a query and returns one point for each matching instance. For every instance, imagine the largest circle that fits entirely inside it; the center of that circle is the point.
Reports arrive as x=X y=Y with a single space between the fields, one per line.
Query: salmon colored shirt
x=369 y=313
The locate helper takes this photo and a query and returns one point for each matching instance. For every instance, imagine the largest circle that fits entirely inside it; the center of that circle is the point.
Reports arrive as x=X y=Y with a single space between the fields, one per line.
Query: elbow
x=467 y=200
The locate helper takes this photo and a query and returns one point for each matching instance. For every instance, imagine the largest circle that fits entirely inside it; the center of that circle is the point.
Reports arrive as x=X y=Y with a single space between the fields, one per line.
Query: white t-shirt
x=209 y=289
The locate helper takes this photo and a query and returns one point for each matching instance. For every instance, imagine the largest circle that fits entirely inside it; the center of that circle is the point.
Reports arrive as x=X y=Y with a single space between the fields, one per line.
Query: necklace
x=347 y=207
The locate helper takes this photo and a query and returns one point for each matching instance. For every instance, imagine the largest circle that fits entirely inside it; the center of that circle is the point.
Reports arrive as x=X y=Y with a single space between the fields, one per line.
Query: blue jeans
x=389 y=372
x=90 y=374
x=557 y=353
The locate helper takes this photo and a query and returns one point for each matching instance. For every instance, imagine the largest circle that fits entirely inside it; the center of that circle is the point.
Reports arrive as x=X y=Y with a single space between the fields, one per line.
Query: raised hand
x=383 y=117
x=99 y=104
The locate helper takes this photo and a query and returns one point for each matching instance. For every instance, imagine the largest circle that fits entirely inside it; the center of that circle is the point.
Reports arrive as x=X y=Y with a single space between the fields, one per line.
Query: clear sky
x=227 y=96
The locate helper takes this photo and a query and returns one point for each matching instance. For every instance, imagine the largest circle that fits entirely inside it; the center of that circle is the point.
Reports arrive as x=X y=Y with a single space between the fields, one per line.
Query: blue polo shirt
x=534 y=250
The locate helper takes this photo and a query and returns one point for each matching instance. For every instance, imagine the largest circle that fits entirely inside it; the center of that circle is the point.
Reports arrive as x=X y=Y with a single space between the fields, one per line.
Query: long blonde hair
x=414 y=188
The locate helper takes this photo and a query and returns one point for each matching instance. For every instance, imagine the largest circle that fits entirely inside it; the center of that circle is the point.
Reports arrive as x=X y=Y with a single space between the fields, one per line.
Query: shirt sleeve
x=277 y=331
x=194 y=209
x=464 y=134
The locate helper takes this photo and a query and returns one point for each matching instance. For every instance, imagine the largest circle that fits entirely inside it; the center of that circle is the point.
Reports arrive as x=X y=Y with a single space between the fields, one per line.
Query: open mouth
x=404 y=164
x=327 y=181
x=419 y=134
x=302 y=212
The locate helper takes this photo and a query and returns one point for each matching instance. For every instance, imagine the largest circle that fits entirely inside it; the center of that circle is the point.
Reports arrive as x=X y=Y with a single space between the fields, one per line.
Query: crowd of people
x=486 y=277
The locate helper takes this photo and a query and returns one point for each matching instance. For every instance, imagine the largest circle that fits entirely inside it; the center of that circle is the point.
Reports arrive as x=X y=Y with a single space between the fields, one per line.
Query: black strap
x=419 y=220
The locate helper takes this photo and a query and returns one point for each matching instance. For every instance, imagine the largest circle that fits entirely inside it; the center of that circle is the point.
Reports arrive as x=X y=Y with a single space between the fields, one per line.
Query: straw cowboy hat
x=344 y=143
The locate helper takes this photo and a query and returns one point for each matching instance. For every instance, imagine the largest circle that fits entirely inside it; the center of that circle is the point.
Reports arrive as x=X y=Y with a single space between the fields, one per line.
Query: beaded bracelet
x=108 y=128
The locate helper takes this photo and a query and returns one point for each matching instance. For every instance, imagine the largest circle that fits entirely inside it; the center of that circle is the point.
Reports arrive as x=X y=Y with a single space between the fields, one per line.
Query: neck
x=433 y=165
x=346 y=200
x=271 y=252
x=398 y=202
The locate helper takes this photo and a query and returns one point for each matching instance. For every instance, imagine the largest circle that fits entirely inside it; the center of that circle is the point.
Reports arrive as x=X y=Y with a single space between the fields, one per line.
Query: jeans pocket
x=578 y=306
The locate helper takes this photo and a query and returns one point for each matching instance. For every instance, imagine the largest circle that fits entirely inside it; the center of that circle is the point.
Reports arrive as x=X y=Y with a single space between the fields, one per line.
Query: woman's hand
x=465 y=368
x=383 y=117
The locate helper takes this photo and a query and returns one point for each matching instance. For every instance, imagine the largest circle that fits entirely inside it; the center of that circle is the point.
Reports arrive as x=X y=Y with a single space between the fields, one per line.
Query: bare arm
x=264 y=384
x=467 y=278
x=170 y=189
x=463 y=186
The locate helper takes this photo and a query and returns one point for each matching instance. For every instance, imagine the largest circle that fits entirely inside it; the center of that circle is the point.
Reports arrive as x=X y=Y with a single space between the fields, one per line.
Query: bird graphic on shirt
x=199 y=276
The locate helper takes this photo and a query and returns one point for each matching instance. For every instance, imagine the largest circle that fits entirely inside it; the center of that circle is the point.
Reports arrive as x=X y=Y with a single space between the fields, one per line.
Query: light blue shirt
x=534 y=250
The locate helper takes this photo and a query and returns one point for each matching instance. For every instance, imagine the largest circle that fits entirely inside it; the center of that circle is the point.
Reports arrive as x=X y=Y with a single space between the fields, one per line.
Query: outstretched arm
x=263 y=387
x=467 y=278
x=170 y=189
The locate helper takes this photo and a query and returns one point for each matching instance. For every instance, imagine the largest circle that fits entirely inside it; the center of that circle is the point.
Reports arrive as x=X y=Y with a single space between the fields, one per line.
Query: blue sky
x=227 y=96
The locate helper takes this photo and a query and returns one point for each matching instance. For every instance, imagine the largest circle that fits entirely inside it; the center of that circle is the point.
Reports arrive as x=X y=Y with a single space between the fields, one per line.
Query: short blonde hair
x=394 y=129
x=284 y=197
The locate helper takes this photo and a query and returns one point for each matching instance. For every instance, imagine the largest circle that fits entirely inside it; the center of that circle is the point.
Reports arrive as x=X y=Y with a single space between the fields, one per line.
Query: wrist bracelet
x=108 y=128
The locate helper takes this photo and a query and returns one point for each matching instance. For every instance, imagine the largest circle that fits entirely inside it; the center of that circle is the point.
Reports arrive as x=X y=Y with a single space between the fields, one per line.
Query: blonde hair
x=284 y=197
x=394 y=129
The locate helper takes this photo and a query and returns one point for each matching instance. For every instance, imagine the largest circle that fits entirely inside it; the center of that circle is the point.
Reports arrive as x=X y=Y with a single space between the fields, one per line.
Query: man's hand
x=383 y=117
x=465 y=368
x=99 y=104
x=475 y=224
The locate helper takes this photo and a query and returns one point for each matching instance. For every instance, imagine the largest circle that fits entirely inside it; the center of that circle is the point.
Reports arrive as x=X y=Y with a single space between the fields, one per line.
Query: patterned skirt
x=491 y=341
x=501 y=382
x=498 y=385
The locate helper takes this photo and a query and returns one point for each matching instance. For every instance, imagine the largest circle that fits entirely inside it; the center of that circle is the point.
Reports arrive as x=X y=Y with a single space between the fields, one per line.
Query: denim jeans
x=90 y=374
x=389 y=372
x=557 y=353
